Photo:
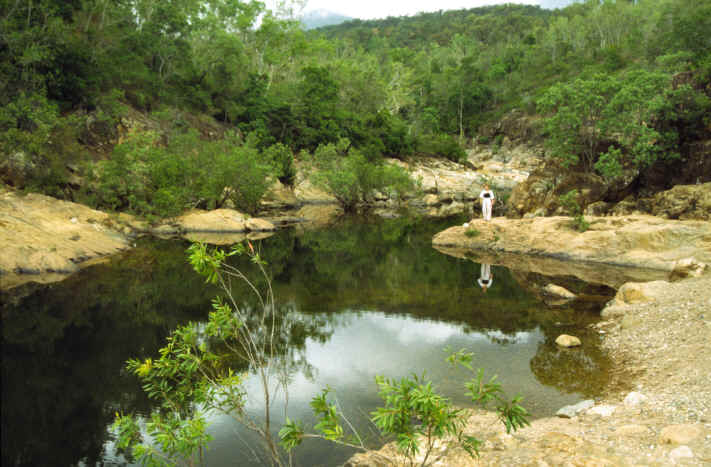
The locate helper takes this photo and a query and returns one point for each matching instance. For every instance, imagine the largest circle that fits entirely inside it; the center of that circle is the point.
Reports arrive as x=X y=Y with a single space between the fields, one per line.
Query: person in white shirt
x=487 y=201
x=486 y=278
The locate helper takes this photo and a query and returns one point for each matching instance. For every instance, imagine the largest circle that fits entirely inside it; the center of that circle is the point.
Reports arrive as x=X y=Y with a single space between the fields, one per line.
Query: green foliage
x=441 y=145
x=38 y=147
x=496 y=145
x=178 y=381
x=569 y=201
x=615 y=123
x=200 y=370
x=327 y=414
x=151 y=179
x=575 y=118
x=414 y=411
x=471 y=233
x=600 y=73
x=482 y=392
x=415 y=415
x=282 y=159
x=353 y=179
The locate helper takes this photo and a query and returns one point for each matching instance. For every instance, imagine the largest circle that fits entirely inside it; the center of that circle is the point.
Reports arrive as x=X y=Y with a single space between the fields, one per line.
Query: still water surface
x=371 y=297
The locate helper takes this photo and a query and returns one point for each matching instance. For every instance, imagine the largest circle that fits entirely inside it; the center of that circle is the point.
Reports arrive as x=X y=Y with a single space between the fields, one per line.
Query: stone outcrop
x=632 y=293
x=44 y=239
x=683 y=202
x=539 y=194
x=633 y=241
x=689 y=267
x=680 y=434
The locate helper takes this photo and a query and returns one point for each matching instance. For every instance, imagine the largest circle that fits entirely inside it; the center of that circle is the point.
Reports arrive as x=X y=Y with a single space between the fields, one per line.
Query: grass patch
x=471 y=233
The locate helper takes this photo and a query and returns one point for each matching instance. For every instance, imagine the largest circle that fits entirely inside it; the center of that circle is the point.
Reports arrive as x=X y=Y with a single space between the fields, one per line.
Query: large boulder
x=221 y=220
x=544 y=187
x=564 y=340
x=557 y=291
x=684 y=202
x=688 y=267
x=640 y=292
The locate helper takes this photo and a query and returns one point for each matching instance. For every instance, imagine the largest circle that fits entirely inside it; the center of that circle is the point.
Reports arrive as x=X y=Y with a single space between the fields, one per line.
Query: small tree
x=196 y=372
x=415 y=415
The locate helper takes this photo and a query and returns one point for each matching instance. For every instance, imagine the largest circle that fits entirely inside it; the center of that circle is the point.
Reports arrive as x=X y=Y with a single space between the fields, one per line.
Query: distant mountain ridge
x=320 y=18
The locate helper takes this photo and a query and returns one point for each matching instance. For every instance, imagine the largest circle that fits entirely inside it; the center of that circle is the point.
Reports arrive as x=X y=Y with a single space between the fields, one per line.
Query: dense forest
x=229 y=92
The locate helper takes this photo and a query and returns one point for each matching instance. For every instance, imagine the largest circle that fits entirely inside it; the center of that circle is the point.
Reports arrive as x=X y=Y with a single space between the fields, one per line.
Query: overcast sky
x=370 y=9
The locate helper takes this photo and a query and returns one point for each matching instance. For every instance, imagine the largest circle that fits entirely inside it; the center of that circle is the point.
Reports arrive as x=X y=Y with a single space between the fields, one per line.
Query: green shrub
x=496 y=145
x=353 y=179
x=569 y=201
x=153 y=180
x=37 y=144
x=282 y=159
x=443 y=146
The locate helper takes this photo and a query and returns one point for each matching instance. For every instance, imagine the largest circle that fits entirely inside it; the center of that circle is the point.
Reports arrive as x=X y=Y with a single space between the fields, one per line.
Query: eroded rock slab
x=630 y=241
x=44 y=239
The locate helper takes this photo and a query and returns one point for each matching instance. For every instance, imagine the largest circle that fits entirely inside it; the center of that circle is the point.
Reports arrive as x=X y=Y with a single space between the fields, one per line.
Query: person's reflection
x=486 y=278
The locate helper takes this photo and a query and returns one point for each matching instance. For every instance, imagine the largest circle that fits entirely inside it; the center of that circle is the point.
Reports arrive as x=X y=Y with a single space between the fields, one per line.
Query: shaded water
x=371 y=297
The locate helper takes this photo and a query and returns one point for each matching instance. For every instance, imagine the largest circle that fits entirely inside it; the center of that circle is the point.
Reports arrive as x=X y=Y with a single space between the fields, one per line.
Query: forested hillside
x=607 y=85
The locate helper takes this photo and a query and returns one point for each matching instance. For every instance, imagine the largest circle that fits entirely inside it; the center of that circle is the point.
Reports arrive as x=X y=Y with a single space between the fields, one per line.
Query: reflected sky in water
x=369 y=343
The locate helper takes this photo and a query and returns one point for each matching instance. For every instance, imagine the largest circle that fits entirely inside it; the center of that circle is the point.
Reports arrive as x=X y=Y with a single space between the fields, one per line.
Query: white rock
x=558 y=291
x=565 y=340
x=682 y=452
x=602 y=410
x=634 y=398
x=570 y=411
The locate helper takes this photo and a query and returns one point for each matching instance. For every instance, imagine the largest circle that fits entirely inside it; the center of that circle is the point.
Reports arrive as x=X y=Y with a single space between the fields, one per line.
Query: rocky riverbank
x=44 y=239
x=635 y=241
x=656 y=411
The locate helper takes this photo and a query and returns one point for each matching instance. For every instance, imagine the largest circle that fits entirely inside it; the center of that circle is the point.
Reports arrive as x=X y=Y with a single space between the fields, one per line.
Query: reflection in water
x=486 y=279
x=366 y=297
x=364 y=344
